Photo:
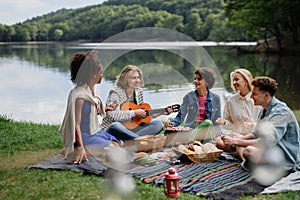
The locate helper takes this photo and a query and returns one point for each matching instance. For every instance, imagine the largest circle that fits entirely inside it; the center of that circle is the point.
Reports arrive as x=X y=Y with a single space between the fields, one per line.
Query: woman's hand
x=112 y=106
x=168 y=124
x=220 y=121
x=80 y=155
x=141 y=113
x=115 y=144
x=169 y=110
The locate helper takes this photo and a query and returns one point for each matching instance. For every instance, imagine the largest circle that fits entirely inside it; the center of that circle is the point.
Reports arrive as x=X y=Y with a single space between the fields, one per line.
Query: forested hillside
x=201 y=20
x=215 y=20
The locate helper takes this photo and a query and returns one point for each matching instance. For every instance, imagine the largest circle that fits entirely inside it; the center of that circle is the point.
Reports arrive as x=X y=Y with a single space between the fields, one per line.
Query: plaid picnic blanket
x=220 y=179
x=204 y=179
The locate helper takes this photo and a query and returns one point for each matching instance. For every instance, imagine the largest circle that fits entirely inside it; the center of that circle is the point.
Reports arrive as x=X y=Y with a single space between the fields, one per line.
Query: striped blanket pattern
x=198 y=178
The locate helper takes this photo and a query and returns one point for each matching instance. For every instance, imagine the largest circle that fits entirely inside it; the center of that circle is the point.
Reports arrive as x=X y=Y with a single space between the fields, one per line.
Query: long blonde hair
x=122 y=78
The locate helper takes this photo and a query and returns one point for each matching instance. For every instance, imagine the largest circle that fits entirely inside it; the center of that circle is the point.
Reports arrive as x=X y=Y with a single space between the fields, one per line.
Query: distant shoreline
x=160 y=43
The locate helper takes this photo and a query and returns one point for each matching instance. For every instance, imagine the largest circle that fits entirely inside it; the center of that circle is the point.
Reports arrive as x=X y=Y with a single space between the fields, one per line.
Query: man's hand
x=228 y=140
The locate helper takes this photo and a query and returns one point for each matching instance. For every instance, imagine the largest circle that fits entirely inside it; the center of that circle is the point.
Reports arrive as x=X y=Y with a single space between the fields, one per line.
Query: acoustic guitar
x=136 y=121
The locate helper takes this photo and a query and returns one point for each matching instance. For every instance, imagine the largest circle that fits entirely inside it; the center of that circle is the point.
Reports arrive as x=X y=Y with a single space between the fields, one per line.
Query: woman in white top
x=240 y=114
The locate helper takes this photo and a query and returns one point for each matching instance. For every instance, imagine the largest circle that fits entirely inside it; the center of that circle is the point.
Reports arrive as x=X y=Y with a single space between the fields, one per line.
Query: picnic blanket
x=288 y=183
x=56 y=162
x=221 y=179
x=205 y=179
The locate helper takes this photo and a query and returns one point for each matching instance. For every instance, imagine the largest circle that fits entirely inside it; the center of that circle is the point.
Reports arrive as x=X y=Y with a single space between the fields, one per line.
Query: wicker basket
x=150 y=143
x=200 y=158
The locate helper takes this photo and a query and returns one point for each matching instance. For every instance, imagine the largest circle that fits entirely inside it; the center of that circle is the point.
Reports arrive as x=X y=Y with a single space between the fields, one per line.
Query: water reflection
x=31 y=93
x=35 y=78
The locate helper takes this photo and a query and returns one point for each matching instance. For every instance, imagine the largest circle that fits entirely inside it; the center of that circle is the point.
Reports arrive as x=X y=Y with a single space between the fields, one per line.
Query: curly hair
x=266 y=84
x=83 y=66
x=121 y=80
x=208 y=74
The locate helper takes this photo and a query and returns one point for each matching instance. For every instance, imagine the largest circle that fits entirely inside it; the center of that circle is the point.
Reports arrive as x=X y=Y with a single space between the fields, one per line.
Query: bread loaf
x=181 y=148
x=209 y=147
x=198 y=149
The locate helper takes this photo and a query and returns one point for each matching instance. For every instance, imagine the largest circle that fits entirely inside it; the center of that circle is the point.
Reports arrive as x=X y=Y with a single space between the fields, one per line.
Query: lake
x=35 y=78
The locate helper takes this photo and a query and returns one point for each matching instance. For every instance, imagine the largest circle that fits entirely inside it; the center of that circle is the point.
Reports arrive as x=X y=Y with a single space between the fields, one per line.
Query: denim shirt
x=189 y=108
x=286 y=127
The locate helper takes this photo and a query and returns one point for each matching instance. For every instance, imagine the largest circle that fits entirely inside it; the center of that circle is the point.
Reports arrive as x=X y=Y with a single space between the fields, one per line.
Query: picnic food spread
x=197 y=147
x=198 y=152
x=178 y=129
x=142 y=158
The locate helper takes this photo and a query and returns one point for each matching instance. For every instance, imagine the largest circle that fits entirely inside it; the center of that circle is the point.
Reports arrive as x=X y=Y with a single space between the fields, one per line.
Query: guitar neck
x=156 y=111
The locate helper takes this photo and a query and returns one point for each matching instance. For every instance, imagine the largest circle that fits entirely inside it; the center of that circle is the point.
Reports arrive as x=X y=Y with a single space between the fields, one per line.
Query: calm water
x=35 y=78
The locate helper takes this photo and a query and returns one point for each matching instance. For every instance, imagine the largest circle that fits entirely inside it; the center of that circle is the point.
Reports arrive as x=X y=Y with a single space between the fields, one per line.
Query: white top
x=238 y=110
x=67 y=128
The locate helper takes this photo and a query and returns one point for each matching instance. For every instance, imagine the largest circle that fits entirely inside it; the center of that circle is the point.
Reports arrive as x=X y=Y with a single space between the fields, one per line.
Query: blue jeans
x=118 y=130
x=101 y=138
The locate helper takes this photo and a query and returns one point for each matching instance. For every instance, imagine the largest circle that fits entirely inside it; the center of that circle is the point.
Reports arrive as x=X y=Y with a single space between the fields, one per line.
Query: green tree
x=22 y=33
x=2 y=32
x=265 y=18
x=222 y=31
x=42 y=32
x=33 y=29
x=170 y=21
x=192 y=27
x=58 y=33
x=7 y=33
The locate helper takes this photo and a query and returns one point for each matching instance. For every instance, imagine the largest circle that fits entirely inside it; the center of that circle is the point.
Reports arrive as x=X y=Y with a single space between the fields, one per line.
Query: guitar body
x=136 y=121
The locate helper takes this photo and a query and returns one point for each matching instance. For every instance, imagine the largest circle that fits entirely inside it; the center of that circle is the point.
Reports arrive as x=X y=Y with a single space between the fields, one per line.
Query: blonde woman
x=240 y=113
x=128 y=89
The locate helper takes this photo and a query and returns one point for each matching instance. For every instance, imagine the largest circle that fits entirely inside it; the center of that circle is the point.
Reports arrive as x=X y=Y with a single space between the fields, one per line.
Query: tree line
x=266 y=18
x=215 y=20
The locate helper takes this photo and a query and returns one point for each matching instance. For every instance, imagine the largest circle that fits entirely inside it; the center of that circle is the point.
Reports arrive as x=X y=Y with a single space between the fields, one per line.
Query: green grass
x=24 y=143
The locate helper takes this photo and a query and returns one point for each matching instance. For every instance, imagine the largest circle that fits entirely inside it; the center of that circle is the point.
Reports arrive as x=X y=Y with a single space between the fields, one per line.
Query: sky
x=15 y=11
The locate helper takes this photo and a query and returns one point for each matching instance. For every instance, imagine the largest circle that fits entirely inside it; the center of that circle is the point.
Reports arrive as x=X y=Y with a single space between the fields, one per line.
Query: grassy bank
x=23 y=144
